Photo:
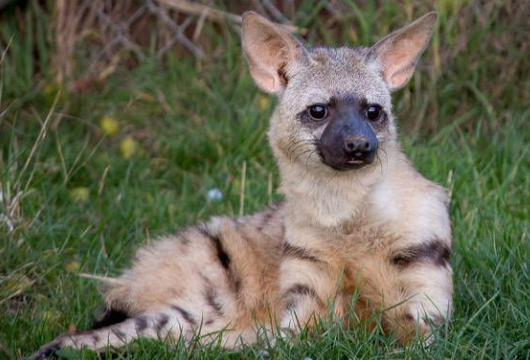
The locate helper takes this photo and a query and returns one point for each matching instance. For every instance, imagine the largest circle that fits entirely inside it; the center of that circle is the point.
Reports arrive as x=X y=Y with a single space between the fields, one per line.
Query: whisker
x=302 y=153
x=299 y=143
x=380 y=162
x=307 y=159
x=293 y=144
x=292 y=153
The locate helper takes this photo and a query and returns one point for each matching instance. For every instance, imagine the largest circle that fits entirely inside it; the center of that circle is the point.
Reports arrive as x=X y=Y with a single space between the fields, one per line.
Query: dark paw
x=49 y=350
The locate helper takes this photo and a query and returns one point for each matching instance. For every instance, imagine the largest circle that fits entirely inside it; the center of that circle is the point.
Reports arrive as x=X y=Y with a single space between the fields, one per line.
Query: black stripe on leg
x=211 y=299
x=435 y=251
x=120 y=334
x=111 y=317
x=185 y=315
x=299 y=290
x=140 y=323
x=298 y=253
x=408 y=317
x=161 y=322
x=436 y=319
x=210 y=295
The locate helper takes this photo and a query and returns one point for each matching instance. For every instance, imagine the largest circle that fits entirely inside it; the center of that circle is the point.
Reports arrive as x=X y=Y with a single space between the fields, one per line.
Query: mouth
x=356 y=162
x=350 y=164
x=344 y=163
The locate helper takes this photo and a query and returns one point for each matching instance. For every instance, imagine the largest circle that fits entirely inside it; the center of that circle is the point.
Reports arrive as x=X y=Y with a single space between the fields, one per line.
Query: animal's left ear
x=398 y=53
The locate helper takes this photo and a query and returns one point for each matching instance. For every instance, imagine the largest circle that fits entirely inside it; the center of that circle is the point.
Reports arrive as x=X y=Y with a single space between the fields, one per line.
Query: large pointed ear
x=271 y=51
x=398 y=53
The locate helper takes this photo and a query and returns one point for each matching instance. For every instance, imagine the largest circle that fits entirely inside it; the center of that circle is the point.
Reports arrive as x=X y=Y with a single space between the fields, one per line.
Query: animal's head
x=334 y=109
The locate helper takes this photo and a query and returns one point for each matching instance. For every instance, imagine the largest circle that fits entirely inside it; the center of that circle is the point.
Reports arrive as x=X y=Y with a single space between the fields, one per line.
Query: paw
x=48 y=350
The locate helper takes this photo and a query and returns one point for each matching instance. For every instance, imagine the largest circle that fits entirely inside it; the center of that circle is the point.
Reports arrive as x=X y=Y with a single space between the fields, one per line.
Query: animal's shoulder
x=408 y=203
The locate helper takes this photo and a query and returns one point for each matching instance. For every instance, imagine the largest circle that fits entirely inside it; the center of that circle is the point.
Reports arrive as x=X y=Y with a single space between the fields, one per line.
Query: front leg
x=425 y=275
x=410 y=285
x=308 y=282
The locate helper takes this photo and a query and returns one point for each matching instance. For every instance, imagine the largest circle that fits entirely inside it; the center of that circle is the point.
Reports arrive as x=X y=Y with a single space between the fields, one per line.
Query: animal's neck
x=327 y=199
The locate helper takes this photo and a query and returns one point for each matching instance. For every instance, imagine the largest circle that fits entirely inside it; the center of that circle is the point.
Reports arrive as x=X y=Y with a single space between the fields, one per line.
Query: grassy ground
x=77 y=198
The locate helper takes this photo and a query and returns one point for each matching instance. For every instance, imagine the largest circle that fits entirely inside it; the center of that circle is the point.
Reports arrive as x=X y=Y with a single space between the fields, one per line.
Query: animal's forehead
x=339 y=73
x=338 y=55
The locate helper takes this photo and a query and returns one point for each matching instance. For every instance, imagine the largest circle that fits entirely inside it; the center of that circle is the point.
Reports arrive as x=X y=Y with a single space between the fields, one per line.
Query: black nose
x=357 y=147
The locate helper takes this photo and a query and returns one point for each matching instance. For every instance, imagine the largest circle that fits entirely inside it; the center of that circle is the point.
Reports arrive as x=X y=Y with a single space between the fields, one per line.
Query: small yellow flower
x=352 y=34
x=264 y=102
x=80 y=194
x=51 y=315
x=52 y=92
x=18 y=284
x=145 y=96
x=109 y=126
x=50 y=88
x=128 y=147
x=72 y=266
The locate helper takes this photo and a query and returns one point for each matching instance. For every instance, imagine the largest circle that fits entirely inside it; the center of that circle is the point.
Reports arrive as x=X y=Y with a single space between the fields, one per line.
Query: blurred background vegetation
x=123 y=120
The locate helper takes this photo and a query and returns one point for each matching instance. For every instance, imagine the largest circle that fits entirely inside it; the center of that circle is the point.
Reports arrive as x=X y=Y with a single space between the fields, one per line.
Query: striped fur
x=380 y=234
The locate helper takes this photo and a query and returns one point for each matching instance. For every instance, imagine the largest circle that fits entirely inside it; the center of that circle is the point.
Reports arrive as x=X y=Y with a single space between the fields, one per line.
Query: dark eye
x=318 y=112
x=373 y=112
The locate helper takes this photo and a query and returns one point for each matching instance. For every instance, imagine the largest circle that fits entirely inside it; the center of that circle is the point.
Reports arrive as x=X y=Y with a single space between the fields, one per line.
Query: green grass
x=464 y=121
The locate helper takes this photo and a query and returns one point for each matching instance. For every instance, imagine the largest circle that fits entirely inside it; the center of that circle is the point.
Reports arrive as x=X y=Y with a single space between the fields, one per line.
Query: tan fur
x=381 y=233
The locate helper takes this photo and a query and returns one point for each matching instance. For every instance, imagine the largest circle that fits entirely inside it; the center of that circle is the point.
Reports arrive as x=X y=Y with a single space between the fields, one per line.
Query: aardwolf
x=357 y=217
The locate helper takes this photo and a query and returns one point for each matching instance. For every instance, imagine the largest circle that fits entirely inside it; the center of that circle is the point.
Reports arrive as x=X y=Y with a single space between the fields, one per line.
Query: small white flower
x=214 y=194
x=10 y=226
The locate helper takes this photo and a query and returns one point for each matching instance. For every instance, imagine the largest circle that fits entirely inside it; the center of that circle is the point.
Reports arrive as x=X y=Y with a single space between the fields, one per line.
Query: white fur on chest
x=383 y=203
x=324 y=201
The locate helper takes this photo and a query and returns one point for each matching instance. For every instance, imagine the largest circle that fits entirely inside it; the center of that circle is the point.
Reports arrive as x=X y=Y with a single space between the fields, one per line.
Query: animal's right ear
x=271 y=52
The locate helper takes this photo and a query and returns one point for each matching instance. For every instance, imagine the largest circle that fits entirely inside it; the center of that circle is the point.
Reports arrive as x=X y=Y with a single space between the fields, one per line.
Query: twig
x=38 y=141
x=198 y=27
x=5 y=351
x=213 y=14
x=106 y=49
x=178 y=29
x=102 y=278
x=242 y=191
x=4 y=3
x=332 y=9
x=120 y=36
x=273 y=10
x=258 y=6
x=4 y=51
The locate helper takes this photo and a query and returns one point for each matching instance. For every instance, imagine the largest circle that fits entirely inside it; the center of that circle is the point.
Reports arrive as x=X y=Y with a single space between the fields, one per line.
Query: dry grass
x=93 y=38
